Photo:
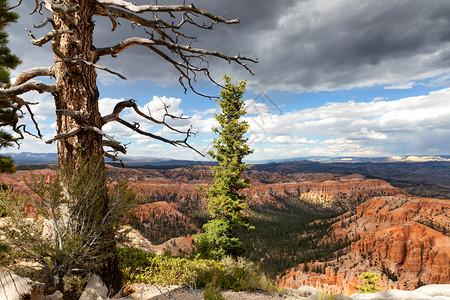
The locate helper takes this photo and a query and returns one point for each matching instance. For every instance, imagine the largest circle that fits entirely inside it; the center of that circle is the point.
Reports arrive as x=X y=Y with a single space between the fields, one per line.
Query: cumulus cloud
x=371 y=128
x=409 y=125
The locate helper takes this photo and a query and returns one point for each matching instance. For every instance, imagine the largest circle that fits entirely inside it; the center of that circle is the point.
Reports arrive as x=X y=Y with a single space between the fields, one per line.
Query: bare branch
x=178 y=50
x=166 y=8
x=72 y=132
x=185 y=55
x=107 y=12
x=48 y=37
x=112 y=141
x=60 y=8
x=38 y=7
x=114 y=116
x=15 y=6
x=134 y=127
x=33 y=72
x=114 y=157
x=26 y=87
x=115 y=145
x=45 y=22
x=91 y=64
x=113 y=13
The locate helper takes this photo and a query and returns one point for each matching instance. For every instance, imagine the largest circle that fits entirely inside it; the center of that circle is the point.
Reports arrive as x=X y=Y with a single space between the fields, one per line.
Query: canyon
x=403 y=238
x=324 y=229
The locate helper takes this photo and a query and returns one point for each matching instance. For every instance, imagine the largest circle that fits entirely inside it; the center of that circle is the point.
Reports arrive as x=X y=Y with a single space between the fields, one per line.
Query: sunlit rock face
x=403 y=238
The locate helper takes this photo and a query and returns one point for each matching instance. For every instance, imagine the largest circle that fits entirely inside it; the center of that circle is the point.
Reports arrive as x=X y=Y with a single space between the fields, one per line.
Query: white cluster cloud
x=359 y=129
x=405 y=126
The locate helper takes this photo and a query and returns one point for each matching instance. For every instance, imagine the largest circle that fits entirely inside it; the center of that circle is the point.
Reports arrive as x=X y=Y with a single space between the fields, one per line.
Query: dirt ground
x=231 y=295
x=177 y=293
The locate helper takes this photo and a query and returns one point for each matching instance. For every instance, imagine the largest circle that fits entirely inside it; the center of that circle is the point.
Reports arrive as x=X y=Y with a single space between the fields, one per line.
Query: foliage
x=70 y=229
x=212 y=293
x=7 y=61
x=238 y=275
x=6 y=163
x=369 y=284
x=225 y=204
x=322 y=296
x=284 y=239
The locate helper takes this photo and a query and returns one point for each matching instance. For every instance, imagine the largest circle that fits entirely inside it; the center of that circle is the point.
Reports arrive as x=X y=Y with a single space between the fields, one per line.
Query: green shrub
x=369 y=284
x=212 y=292
x=229 y=273
x=68 y=236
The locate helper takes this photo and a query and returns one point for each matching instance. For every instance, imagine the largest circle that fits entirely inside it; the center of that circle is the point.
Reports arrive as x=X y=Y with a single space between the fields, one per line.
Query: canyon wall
x=403 y=238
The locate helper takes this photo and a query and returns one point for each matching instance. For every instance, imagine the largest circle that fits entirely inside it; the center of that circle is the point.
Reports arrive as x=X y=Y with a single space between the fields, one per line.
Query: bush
x=69 y=233
x=212 y=292
x=229 y=273
x=369 y=284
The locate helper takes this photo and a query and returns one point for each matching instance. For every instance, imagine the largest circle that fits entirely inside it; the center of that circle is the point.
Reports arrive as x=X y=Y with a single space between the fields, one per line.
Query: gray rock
x=327 y=297
x=428 y=292
x=14 y=287
x=95 y=290
x=434 y=290
x=55 y=296
x=306 y=291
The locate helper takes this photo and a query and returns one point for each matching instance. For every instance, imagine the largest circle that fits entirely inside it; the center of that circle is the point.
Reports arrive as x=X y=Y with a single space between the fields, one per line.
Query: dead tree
x=79 y=124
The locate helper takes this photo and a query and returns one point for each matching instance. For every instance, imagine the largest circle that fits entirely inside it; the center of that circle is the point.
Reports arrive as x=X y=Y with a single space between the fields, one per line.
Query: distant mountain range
x=24 y=158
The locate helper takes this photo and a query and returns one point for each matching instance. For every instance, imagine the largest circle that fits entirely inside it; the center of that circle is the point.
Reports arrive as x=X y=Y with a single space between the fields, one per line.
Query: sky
x=335 y=78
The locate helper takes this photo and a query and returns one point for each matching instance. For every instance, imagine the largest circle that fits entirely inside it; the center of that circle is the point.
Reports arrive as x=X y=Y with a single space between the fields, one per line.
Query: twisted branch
x=78 y=59
x=167 y=8
x=48 y=37
x=119 y=107
x=187 y=54
x=32 y=73
x=32 y=85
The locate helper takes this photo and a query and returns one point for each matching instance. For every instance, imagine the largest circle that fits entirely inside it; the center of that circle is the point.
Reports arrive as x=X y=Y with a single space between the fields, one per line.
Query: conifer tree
x=226 y=205
x=7 y=61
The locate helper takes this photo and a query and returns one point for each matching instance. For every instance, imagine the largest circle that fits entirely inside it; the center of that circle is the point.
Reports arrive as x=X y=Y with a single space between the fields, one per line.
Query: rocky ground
x=153 y=293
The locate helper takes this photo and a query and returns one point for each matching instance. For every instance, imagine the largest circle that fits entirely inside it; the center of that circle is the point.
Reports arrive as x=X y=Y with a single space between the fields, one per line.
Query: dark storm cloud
x=302 y=45
x=355 y=43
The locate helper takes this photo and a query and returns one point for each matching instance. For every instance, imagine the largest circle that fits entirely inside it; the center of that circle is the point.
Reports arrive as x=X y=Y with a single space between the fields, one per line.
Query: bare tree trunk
x=76 y=86
x=77 y=91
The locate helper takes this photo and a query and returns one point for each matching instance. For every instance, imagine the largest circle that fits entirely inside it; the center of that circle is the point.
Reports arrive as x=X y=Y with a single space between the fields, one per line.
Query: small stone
x=95 y=290
x=55 y=296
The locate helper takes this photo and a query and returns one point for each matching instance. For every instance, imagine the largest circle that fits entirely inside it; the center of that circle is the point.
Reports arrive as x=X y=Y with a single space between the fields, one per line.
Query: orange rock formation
x=394 y=236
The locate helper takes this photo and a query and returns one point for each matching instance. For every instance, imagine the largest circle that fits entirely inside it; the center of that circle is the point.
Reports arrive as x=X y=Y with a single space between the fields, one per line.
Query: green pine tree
x=8 y=61
x=226 y=205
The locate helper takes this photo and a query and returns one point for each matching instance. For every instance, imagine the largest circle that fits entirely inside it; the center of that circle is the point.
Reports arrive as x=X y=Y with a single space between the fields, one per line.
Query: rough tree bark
x=76 y=87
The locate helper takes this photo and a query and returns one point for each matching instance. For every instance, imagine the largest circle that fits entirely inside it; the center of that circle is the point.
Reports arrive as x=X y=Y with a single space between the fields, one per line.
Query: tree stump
x=14 y=287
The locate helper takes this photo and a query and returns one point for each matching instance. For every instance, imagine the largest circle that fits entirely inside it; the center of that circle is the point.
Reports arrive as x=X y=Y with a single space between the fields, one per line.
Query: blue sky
x=334 y=78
